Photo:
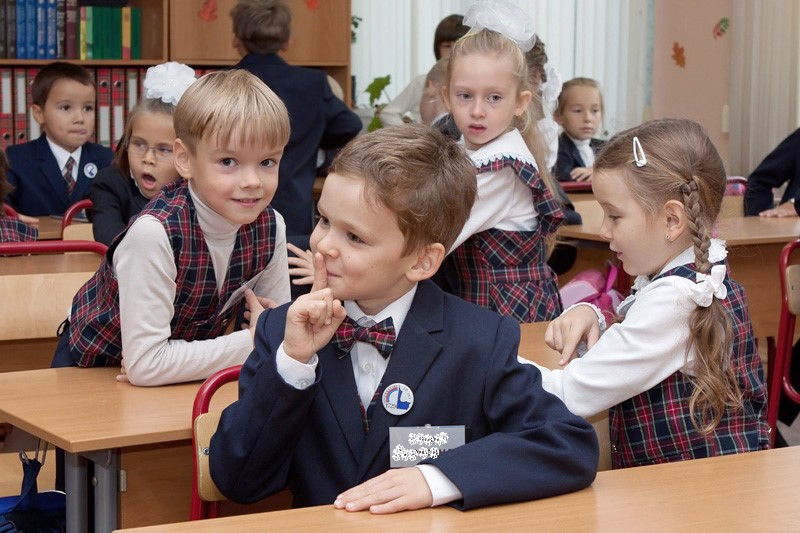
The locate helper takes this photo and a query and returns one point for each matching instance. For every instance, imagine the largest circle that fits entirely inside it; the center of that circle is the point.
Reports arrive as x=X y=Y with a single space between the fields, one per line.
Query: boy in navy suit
x=319 y=120
x=316 y=401
x=54 y=171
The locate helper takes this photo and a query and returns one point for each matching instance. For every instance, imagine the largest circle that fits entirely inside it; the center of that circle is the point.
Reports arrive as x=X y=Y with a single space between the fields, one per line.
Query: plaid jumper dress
x=507 y=271
x=655 y=426
x=15 y=230
x=95 y=318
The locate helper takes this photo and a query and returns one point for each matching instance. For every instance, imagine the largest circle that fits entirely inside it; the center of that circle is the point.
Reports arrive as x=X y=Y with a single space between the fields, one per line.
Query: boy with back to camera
x=56 y=170
x=316 y=402
x=262 y=28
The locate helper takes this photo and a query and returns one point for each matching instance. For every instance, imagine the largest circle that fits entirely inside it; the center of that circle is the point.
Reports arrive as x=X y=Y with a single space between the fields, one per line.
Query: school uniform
x=459 y=362
x=499 y=260
x=15 y=230
x=640 y=370
x=163 y=295
x=780 y=166
x=569 y=156
x=116 y=200
x=38 y=179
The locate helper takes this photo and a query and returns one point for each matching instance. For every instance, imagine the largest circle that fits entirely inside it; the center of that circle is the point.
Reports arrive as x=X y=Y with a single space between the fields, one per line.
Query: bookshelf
x=190 y=32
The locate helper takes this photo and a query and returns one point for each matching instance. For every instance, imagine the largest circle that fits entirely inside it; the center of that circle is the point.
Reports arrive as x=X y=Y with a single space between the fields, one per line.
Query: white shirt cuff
x=600 y=318
x=298 y=375
x=442 y=489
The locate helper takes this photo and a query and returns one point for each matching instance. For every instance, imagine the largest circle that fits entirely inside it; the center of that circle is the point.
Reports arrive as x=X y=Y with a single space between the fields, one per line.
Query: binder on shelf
x=82 y=47
x=71 y=24
x=103 y=126
x=20 y=106
x=114 y=44
x=6 y=108
x=30 y=28
x=51 y=29
x=34 y=130
x=125 y=50
x=118 y=107
x=61 y=21
x=136 y=33
x=132 y=88
x=88 y=21
x=22 y=29
x=41 y=30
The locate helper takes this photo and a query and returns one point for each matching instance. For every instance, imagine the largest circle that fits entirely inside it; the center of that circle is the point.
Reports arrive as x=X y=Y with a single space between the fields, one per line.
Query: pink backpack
x=594 y=287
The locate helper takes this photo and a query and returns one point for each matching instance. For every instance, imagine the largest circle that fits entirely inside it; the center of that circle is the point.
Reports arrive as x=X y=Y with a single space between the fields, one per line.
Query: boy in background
x=319 y=120
x=54 y=171
x=317 y=401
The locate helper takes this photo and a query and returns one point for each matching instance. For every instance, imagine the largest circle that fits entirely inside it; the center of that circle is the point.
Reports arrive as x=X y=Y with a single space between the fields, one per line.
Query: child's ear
x=523 y=100
x=429 y=259
x=38 y=114
x=446 y=97
x=676 y=219
x=180 y=153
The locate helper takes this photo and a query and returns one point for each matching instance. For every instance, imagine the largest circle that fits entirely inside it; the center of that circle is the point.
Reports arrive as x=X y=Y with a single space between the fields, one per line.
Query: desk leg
x=75 y=484
x=106 y=467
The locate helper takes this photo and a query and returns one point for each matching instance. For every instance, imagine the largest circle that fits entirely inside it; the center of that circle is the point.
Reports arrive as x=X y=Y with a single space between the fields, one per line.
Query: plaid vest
x=95 y=318
x=14 y=230
x=655 y=426
x=507 y=271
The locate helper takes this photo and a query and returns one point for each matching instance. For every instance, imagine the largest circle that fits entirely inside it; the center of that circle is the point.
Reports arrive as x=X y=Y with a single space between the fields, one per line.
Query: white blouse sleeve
x=146 y=273
x=274 y=282
x=632 y=356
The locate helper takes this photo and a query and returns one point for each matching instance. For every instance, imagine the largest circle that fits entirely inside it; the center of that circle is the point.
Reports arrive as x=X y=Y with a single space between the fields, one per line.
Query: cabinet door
x=320 y=32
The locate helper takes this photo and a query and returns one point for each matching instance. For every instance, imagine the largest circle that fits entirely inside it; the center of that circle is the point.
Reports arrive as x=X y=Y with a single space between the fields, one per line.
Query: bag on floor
x=33 y=511
x=594 y=287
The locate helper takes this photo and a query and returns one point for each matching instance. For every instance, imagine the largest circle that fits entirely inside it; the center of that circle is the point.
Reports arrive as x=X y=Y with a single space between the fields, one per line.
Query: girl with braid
x=679 y=372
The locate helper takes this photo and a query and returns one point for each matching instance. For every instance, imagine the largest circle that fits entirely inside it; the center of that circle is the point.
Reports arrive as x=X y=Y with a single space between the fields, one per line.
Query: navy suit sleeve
x=565 y=161
x=341 y=124
x=536 y=449
x=780 y=166
x=253 y=445
x=108 y=219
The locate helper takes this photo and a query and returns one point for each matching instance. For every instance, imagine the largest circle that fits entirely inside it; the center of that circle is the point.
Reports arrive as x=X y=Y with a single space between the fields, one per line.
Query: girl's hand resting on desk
x=581 y=174
x=783 y=210
x=401 y=489
x=302 y=265
x=122 y=377
x=566 y=332
x=254 y=306
x=31 y=221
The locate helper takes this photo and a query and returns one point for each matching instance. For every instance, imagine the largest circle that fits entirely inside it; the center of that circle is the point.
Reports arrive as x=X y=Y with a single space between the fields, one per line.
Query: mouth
x=148 y=181
x=247 y=202
x=476 y=128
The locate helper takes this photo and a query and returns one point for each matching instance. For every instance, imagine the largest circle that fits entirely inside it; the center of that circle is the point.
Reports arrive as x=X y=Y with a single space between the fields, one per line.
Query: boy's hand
x=320 y=274
x=581 y=174
x=784 y=210
x=401 y=489
x=302 y=265
x=567 y=331
x=311 y=322
x=254 y=306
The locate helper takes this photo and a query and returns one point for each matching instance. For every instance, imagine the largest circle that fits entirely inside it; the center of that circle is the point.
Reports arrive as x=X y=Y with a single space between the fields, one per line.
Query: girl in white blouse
x=680 y=372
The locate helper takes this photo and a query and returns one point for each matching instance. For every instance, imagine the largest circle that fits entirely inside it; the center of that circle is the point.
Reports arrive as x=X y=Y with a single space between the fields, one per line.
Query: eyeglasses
x=138 y=148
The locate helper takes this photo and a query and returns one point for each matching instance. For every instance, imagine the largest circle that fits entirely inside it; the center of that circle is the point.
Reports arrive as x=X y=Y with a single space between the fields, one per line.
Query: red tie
x=68 y=175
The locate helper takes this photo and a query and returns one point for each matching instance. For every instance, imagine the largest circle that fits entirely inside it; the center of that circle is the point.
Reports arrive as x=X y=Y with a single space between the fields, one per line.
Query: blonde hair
x=683 y=165
x=422 y=176
x=233 y=102
x=489 y=42
x=262 y=26
x=571 y=84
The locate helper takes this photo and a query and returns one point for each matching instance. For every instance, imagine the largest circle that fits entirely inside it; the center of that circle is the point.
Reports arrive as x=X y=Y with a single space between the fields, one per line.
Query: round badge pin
x=397 y=399
x=90 y=170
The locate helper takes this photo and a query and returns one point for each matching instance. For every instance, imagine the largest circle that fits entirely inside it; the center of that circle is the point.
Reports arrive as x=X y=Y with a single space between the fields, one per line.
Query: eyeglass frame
x=140 y=152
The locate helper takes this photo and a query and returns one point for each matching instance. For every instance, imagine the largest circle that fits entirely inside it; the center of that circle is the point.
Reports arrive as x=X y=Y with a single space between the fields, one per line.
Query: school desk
x=757 y=491
x=49 y=228
x=754 y=245
x=38 y=291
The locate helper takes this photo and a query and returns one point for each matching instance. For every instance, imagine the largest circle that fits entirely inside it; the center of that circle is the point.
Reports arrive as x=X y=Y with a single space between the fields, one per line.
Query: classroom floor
x=791 y=434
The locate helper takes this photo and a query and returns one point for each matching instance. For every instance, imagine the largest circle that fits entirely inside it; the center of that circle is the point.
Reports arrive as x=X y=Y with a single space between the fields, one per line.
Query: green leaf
x=375 y=124
x=375 y=88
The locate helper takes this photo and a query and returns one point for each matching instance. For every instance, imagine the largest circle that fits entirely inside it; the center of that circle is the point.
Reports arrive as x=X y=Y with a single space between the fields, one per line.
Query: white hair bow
x=709 y=286
x=503 y=17
x=168 y=81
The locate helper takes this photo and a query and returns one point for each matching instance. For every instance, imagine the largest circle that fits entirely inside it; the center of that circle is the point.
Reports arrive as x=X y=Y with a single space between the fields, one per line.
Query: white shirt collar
x=62 y=156
x=510 y=144
x=398 y=310
x=217 y=230
x=716 y=253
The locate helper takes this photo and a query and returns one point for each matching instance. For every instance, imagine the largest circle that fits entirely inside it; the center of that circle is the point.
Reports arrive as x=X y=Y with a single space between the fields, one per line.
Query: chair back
x=10 y=211
x=73 y=210
x=205 y=496
x=780 y=371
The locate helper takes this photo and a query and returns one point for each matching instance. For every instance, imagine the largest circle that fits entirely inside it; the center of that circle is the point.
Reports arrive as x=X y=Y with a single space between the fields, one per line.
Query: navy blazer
x=459 y=360
x=569 y=158
x=39 y=186
x=780 y=165
x=318 y=120
x=116 y=200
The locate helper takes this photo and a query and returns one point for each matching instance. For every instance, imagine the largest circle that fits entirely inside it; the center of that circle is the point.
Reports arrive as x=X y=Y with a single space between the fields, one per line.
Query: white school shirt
x=145 y=268
x=638 y=353
x=62 y=156
x=585 y=149
x=368 y=368
x=503 y=201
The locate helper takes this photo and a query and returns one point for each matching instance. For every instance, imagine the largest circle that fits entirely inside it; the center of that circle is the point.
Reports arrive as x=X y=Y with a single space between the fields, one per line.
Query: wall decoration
x=677 y=54
x=208 y=12
x=721 y=27
x=312 y=5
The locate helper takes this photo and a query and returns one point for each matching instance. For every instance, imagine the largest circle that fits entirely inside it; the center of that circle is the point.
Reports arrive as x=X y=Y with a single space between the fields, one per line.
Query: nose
x=149 y=155
x=476 y=109
x=250 y=178
x=323 y=242
x=605 y=231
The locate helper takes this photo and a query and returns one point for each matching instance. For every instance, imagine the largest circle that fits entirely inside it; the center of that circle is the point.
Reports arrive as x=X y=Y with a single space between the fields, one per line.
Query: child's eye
x=227 y=161
x=352 y=237
x=494 y=98
x=139 y=146
x=65 y=107
x=613 y=218
x=269 y=163
x=464 y=96
x=323 y=221
x=165 y=150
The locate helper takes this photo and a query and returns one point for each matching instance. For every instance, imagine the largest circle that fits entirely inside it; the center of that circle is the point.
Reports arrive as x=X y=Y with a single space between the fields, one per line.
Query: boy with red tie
x=317 y=402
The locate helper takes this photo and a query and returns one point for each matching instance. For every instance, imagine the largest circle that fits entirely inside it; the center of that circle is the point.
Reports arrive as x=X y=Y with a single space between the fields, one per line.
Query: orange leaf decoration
x=313 y=5
x=208 y=12
x=677 y=55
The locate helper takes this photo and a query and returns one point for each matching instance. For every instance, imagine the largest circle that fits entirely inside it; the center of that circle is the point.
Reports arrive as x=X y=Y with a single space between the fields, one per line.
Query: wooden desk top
x=755 y=491
x=49 y=228
x=86 y=409
x=26 y=265
x=735 y=230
